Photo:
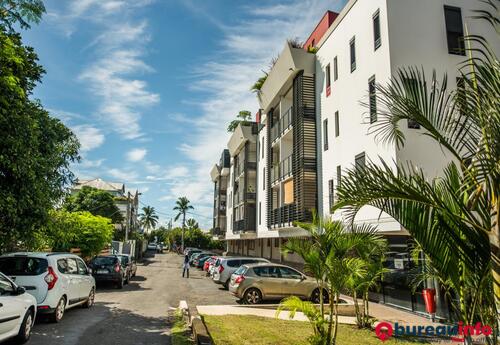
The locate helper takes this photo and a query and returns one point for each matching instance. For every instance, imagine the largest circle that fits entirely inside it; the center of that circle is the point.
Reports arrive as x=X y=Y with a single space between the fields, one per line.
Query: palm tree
x=182 y=206
x=148 y=218
x=192 y=224
x=455 y=218
x=329 y=255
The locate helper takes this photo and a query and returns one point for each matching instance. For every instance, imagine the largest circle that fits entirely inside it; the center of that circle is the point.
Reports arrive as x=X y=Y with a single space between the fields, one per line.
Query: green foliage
x=22 y=12
x=244 y=117
x=259 y=83
x=36 y=150
x=95 y=201
x=194 y=238
x=192 y=224
x=83 y=230
x=148 y=218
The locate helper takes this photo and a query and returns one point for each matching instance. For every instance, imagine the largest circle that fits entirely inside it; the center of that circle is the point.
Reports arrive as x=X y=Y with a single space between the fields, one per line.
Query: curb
x=200 y=331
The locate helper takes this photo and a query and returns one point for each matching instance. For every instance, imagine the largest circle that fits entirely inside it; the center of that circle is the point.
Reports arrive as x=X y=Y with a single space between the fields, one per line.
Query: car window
x=217 y=263
x=23 y=266
x=234 y=263
x=124 y=259
x=72 y=266
x=104 y=261
x=5 y=285
x=82 y=268
x=289 y=273
x=241 y=270
x=62 y=265
x=266 y=271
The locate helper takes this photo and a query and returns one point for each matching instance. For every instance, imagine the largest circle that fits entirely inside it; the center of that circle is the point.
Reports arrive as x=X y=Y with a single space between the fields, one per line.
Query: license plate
x=102 y=271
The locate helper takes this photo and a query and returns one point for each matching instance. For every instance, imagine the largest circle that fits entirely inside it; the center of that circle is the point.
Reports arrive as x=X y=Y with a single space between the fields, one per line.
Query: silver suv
x=226 y=266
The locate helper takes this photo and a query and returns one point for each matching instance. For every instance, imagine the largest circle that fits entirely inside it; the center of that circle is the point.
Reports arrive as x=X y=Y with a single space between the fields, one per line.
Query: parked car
x=210 y=260
x=257 y=282
x=193 y=257
x=200 y=259
x=58 y=281
x=191 y=252
x=110 y=268
x=153 y=246
x=131 y=264
x=226 y=266
x=17 y=311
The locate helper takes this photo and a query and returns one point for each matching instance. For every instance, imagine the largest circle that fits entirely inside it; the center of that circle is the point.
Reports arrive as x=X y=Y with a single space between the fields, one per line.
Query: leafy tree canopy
x=66 y=230
x=36 y=150
x=21 y=12
x=95 y=201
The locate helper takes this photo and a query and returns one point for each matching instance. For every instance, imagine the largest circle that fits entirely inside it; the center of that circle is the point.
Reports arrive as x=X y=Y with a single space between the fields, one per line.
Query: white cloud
x=87 y=163
x=136 y=155
x=90 y=137
x=123 y=175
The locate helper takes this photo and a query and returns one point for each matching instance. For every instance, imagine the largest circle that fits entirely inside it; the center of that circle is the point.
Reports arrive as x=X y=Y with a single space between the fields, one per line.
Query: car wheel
x=25 y=330
x=119 y=285
x=252 y=296
x=315 y=298
x=90 y=300
x=59 y=312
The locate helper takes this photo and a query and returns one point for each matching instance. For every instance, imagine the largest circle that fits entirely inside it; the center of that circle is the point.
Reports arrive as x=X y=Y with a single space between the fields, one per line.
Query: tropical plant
x=182 y=206
x=331 y=256
x=295 y=43
x=244 y=117
x=148 y=218
x=454 y=218
x=257 y=86
x=192 y=224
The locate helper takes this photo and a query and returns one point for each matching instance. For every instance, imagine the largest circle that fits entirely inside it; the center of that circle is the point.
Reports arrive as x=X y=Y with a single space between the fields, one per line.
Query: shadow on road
x=133 y=285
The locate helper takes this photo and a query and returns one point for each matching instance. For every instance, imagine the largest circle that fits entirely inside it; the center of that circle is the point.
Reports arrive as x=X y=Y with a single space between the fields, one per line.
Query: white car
x=17 y=311
x=58 y=281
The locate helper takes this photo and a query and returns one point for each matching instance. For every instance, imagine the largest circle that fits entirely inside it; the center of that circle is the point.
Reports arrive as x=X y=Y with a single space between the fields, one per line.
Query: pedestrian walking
x=185 y=266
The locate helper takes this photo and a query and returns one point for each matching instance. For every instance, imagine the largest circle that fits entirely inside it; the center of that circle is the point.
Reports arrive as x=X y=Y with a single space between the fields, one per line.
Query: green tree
x=182 y=206
x=82 y=230
x=95 y=201
x=22 y=12
x=36 y=150
x=192 y=224
x=244 y=117
x=454 y=218
x=148 y=218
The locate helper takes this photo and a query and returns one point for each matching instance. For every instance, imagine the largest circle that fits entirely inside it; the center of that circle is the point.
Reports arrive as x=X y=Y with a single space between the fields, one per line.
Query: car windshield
x=23 y=266
x=104 y=260
x=124 y=259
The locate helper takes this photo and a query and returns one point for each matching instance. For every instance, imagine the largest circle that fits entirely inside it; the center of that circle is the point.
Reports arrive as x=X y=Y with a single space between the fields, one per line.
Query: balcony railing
x=282 y=125
x=218 y=231
x=275 y=173
x=239 y=225
x=283 y=215
x=286 y=167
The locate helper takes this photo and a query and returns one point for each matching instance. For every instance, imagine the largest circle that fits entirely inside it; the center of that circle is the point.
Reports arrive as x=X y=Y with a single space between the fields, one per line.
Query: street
x=138 y=313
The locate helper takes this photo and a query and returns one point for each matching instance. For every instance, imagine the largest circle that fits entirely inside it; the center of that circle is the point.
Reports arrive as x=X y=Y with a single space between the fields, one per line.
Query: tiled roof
x=100 y=184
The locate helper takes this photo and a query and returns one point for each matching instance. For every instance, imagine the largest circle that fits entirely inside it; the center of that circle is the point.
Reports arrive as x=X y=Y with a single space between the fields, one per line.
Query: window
x=264 y=178
x=82 y=268
x=412 y=92
x=335 y=69
x=288 y=273
x=62 y=265
x=267 y=272
x=454 y=30
x=373 y=99
x=262 y=147
x=360 y=161
x=260 y=213
x=72 y=267
x=376 y=30
x=328 y=80
x=339 y=175
x=325 y=134
x=330 y=194
x=337 y=124
x=352 y=45
x=22 y=266
x=235 y=263
x=6 y=286
x=276 y=243
x=269 y=242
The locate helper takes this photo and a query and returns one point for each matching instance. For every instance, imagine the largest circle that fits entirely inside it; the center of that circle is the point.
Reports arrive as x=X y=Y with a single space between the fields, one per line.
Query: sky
x=149 y=86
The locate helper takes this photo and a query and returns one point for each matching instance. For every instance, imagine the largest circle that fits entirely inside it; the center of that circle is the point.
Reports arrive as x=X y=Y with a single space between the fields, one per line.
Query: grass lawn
x=254 y=330
x=180 y=334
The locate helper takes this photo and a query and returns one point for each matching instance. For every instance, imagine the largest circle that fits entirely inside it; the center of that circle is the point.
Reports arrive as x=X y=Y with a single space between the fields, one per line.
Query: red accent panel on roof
x=320 y=29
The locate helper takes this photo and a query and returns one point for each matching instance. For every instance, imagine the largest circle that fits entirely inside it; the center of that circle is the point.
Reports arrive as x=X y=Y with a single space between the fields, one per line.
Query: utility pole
x=127 y=226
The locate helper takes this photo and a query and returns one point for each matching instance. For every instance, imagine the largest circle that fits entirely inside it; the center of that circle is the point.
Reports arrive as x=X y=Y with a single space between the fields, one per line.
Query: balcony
x=282 y=170
x=284 y=123
x=283 y=215
x=218 y=231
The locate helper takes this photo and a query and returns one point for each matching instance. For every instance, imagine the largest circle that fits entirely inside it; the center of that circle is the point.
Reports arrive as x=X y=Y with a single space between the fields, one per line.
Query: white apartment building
x=315 y=118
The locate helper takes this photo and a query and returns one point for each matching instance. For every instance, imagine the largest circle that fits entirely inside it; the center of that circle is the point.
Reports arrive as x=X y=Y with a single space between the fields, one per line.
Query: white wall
x=261 y=193
x=346 y=94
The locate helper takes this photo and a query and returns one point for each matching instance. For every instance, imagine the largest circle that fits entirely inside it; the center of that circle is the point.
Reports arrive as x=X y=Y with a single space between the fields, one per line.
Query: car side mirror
x=20 y=290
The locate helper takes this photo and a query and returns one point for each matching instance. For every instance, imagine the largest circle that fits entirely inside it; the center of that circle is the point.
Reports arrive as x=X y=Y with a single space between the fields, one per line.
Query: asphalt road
x=137 y=314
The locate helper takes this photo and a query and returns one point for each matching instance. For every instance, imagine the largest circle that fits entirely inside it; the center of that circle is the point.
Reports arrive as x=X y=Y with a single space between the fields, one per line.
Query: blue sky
x=149 y=86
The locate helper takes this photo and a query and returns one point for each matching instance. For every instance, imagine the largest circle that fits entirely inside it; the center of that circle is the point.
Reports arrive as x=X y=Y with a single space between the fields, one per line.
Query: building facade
x=317 y=108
